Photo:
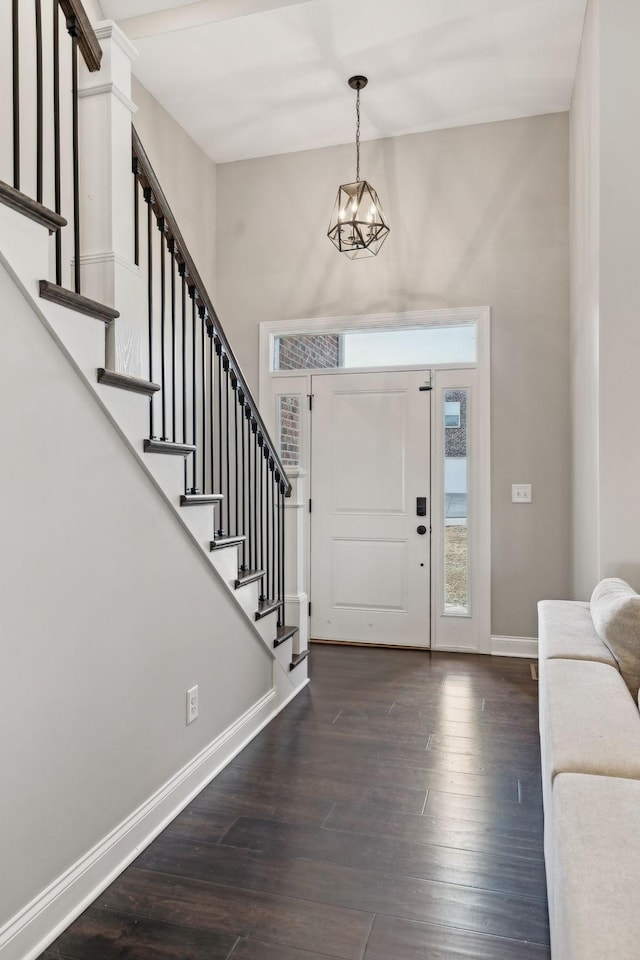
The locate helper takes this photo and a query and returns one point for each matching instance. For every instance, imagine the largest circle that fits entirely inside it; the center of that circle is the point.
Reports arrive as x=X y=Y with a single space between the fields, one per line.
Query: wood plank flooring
x=392 y=812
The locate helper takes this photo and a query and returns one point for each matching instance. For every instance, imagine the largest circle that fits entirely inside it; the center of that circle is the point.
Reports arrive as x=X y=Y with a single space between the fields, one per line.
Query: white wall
x=109 y=612
x=479 y=215
x=606 y=294
x=619 y=290
x=585 y=307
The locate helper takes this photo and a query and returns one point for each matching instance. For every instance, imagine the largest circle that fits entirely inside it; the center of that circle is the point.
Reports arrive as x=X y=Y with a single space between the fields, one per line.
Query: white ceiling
x=250 y=78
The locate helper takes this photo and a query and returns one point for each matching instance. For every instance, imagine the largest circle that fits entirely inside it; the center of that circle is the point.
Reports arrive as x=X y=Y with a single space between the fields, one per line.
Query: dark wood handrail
x=161 y=206
x=88 y=43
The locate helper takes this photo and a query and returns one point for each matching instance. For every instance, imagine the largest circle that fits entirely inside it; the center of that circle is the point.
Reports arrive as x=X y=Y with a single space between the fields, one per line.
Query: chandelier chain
x=358 y=136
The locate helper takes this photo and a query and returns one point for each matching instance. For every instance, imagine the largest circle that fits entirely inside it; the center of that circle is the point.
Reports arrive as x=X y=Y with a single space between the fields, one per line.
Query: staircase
x=89 y=239
x=204 y=440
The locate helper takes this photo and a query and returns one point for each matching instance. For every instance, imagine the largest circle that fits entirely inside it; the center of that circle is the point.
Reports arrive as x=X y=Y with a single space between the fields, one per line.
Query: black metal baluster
x=57 y=190
x=203 y=381
x=194 y=405
x=172 y=252
x=220 y=487
x=273 y=531
x=135 y=166
x=148 y=198
x=268 y=528
x=74 y=31
x=261 y=459
x=254 y=497
x=225 y=364
x=15 y=53
x=181 y=271
x=218 y=347
x=210 y=408
x=39 y=103
x=283 y=548
x=236 y=474
x=280 y=553
x=243 y=484
x=163 y=381
x=250 y=557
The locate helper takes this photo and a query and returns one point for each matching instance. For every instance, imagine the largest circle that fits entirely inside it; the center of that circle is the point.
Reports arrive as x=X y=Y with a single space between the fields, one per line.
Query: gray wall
x=187 y=176
x=479 y=215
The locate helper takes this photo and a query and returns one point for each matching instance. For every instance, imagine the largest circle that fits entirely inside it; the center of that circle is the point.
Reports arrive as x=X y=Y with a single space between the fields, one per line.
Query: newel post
x=109 y=274
x=296 y=598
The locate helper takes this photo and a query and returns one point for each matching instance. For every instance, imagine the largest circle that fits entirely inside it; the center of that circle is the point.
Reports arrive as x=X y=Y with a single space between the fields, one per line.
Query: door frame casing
x=468 y=634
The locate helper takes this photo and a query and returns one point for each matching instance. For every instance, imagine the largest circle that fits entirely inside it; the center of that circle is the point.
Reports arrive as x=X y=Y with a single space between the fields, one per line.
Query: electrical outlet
x=192 y=704
x=521 y=493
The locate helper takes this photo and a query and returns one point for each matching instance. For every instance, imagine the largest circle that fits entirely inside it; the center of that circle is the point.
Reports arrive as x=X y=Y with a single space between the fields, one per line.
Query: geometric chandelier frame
x=358 y=226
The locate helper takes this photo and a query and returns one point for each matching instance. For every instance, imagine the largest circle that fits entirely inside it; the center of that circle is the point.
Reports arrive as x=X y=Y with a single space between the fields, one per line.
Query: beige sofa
x=590 y=745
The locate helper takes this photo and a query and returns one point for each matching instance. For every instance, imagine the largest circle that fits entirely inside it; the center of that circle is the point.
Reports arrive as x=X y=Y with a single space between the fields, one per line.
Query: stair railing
x=204 y=409
x=42 y=159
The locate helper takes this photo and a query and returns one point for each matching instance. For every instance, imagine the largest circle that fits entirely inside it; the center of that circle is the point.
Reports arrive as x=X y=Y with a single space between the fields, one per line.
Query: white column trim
x=110 y=88
x=109 y=30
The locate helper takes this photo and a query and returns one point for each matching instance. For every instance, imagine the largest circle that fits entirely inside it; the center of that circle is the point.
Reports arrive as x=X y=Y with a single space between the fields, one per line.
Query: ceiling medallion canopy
x=358 y=226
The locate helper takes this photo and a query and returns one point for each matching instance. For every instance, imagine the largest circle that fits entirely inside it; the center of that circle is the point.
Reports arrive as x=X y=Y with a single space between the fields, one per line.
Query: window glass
x=376 y=348
x=289 y=430
x=456 y=512
x=452 y=413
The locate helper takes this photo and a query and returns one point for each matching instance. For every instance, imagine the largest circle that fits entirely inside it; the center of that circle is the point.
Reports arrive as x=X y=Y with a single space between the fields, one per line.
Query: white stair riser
x=25 y=245
x=199 y=519
x=167 y=469
x=225 y=561
x=247 y=597
x=129 y=410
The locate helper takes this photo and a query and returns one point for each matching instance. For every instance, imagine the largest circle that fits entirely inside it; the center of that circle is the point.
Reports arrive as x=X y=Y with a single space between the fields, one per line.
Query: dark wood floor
x=391 y=812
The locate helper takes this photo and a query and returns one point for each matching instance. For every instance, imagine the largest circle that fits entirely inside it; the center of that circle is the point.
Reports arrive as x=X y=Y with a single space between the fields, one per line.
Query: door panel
x=370 y=568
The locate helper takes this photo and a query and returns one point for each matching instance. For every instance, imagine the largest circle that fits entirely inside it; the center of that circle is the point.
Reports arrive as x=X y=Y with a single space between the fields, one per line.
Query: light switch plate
x=521 y=493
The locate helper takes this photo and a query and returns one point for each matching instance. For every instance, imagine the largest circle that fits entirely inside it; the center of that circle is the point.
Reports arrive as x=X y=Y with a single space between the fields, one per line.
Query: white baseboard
x=31 y=931
x=515 y=647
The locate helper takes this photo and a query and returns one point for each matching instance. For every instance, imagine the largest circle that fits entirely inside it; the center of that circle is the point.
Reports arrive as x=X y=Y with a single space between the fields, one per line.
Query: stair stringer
x=82 y=341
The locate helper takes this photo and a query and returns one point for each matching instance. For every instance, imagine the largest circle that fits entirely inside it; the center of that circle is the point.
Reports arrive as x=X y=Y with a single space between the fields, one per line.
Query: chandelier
x=358 y=226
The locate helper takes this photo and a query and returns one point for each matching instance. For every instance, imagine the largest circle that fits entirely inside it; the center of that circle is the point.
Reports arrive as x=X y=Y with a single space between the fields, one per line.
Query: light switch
x=521 y=493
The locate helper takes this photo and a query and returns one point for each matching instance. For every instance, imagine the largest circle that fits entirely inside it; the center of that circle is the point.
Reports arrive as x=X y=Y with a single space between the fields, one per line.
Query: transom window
x=425 y=346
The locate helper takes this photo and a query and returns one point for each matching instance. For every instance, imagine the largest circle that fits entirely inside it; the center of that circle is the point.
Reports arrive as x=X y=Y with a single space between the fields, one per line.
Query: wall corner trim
x=515 y=647
x=31 y=931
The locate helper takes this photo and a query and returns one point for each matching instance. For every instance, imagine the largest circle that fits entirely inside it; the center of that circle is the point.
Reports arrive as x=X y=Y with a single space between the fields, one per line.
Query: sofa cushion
x=589 y=723
x=615 y=610
x=595 y=868
x=566 y=631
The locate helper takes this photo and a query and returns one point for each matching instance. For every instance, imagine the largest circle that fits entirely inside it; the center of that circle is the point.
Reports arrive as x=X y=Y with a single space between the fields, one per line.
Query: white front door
x=370 y=518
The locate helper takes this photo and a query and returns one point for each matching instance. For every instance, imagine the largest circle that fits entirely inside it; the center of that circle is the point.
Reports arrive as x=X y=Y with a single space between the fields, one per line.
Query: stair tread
x=265 y=607
x=248 y=576
x=219 y=542
x=30 y=208
x=167 y=446
x=194 y=499
x=75 y=301
x=111 y=378
x=283 y=633
x=297 y=658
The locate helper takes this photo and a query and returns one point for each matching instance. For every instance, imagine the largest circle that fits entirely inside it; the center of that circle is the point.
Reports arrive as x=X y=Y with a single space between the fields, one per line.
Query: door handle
x=421 y=530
